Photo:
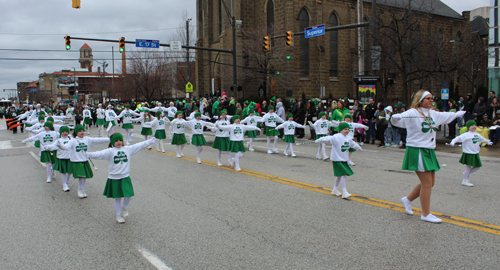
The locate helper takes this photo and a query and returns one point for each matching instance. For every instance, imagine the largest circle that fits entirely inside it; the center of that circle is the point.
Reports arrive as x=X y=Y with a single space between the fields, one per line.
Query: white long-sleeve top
x=127 y=115
x=61 y=154
x=35 y=127
x=110 y=115
x=158 y=109
x=270 y=119
x=197 y=126
x=470 y=142
x=100 y=113
x=203 y=117
x=171 y=111
x=420 y=133
x=221 y=132
x=353 y=126
x=46 y=138
x=179 y=125
x=289 y=127
x=87 y=114
x=160 y=123
x=340 y=146
x=56 y=129
x=321 y=126
x=236 y=131
x=251 y=120
x=26 y=115
x=80 y=146
x=119 y=158
x=145 y=123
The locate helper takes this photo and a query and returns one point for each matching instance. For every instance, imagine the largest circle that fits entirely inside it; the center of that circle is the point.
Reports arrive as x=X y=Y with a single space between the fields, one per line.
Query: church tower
x=86 y=57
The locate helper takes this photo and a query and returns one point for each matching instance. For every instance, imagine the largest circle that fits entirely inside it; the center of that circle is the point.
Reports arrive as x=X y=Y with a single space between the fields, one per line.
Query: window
x=270 y=15
x=304 y=44
x=220 y=16
x=334 y=46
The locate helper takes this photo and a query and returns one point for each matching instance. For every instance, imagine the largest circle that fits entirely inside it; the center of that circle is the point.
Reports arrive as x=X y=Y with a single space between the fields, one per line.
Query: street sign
x=33 y=90
x=189 y=87
x=445 y=94
x=146 y=43
x=175 y=46
x=314 y=31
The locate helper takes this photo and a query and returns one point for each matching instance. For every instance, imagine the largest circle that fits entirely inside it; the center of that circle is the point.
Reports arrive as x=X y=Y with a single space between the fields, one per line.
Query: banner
x=365 y=92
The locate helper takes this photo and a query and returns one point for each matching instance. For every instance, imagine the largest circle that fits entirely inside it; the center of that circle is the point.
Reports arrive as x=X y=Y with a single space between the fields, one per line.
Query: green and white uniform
x=470 y=147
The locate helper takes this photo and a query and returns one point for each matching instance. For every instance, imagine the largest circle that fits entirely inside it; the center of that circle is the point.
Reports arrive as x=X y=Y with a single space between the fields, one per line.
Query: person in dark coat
x=468 y=107
x=311 y=112
x=479 y=109
x=300 y=118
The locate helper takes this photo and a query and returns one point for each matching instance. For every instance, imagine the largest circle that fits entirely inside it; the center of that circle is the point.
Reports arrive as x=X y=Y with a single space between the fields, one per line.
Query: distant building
x=494 y=48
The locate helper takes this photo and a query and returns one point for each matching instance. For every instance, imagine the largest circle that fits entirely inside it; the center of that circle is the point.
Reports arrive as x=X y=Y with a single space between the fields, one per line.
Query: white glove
x=154 y=141
x=24 y=142
x=397 y=117
x=452 y=144
x=460 y=113
x=490 y=143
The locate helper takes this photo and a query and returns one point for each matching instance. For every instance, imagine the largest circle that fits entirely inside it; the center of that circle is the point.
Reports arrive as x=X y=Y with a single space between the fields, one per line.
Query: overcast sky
x=41 y=25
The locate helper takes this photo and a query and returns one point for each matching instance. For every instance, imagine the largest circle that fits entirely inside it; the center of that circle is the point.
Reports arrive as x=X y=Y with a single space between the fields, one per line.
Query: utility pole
x=361 y=60
x=187 y=51
x=408 y=84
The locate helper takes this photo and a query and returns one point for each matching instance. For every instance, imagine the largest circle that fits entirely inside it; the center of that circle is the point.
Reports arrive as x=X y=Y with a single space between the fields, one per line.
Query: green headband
x=177 y=113
x=116 y=137
x=47 y=124
x=343 y=126
x=158 y=114
x=322 y=114
x=197 y=115
x=271 y=108
x=79 y=128
x=127 y=106
x=195 y=108
x=471 y=123
x=41 y=117
x=235 y=117
x=223 y=111
x=50 y=119
x=347 y=116
x=289 y=115
x=62 y=129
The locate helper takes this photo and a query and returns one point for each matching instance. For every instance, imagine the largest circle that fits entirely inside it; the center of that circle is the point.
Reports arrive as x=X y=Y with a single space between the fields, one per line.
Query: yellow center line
x=463 y=222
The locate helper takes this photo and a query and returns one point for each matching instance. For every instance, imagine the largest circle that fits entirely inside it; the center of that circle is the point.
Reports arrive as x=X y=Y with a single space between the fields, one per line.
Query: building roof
x=480 y=25
x=82 y=74
x=85 y=46
x=32 y=84
x=435 y=7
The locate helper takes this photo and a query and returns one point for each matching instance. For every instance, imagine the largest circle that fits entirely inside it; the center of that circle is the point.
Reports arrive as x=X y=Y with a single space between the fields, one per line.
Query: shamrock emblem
x=475 y=139
x=47 y=138
x=271 y=120
x=110 y=114
x=351 y=129
x=222 y=124
x=324 y=125
x=120 y=157
x=252 y=121
x=426 y=126
x=238 y=130
x=161 y=122
x=290 y=127
x=345 y=147
x=179 y=126
x=128 y=114
x=197 y=126
x=81 y=147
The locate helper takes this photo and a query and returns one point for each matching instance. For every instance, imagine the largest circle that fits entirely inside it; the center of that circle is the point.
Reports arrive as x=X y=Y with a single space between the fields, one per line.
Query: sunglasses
x=429 y=98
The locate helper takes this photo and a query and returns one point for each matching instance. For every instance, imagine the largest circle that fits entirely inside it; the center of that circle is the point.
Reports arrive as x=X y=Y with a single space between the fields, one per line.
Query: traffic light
x=289 y=39
x=266 y=45
x=68 y=42
x=122 y=44
x=76 y=4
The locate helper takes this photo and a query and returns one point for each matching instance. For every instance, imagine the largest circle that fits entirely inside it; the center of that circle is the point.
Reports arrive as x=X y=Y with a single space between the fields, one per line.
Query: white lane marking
x=155 y=261
x=5 y=144
x=279 y=149
x=372 y=151
x=37 y=158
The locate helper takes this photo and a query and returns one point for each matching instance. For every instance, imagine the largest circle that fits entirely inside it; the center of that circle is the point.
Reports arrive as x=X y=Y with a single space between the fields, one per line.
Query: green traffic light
x=277 y=73
x=121 y=49
x=68 y=47
x=288 y=57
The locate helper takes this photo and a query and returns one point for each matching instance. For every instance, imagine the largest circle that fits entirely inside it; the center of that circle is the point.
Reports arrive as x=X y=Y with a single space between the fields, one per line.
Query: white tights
x=87 y=128
x=127 y=135
x=199 y=148
x=49 y=169
x=219 y=155
x=250 y=143
x=118 y=204
x=289 y=146
x=160 y=146
x=81 y=184
x=111 y=130
x=65 y=178
x=269 y=143
x=339 y=180
x=99 y=130
x=321 y=148
x=469 y=170
x=179 y=149
x=236 y=159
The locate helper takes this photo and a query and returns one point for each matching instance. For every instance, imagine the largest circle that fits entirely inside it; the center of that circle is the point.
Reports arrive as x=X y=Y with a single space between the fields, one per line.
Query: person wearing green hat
x=87 y=119
x=45 y=138
x=470 y=151
x=236 y=131
x=119 y=185
x=80 y=166
x=222 y=142
x=197 y=138
x=251 y=120
x=101 y=115
x=321 y=127
x=179 y=138
x=171 y=111
x=37 y=127
x=127 y=123
x=270 y=120
x=146 y=125
x=352 y=127
x=289 y=127
x=195 y=111
x=63 y=163
x=339 y=156
x=110 y=120
x=160 y=121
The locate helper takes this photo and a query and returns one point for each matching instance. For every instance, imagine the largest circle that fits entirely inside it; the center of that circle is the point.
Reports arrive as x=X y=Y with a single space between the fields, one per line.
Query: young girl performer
x=236 y=132
x=198 y=139
x=46 y=138
x=470 y=147
x=146 y=125
x=352 y=126
x=171 y=111
x=179 y=139
x=119 y=184
x=110 y=120
x=100 y=122
x=251 y=120
x=221 y=141
x=160 y=123
x=339 y=156
x=321 y=127
x=421 y=123
x=289 y=127
x=270 y=130
x=63 y=163
x=36 y=126
x=87 y=119
x=79 y=160
x=127 y=125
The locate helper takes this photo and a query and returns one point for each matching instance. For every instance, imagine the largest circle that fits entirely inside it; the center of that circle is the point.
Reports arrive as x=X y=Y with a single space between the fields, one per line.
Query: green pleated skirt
x=251 y=133
x=37 y=144
x=160 y=134
x=179 y=139
x=271 y=131
x=341 y=169
x=237 y=146
x=198 y=139
x=128 y=126
x=112 y=122
x=48 y=157
x=429 y=160
x=100 y=122
x=289 y=139
x=82 y=170
x=222 y=144
x=63 y=166
x=87 y=121
x=471 y=160
x=146 y=131
x=119 y=188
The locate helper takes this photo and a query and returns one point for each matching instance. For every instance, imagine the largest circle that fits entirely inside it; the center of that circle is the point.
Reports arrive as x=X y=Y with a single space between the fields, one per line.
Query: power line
x=120 y=32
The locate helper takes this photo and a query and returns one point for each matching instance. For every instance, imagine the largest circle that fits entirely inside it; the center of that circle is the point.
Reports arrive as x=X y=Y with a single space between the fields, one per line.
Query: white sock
x=177 y=149
x=250 y=143
x=65 y=177
x=286 y=147
x=275 y=142
x=229 y=156
x=161 y=145
x=219 y=155
x=118 y=206
x=182 y=149
x=237 y=159
x=350 y=155
x=268 y=143
x=198 y=151
x=49 y=170
x=99 y=130
x=323 y=147
x=81 y=184
x=337 y=182
x=319 y=149
x=291 y=148
x=342 y=181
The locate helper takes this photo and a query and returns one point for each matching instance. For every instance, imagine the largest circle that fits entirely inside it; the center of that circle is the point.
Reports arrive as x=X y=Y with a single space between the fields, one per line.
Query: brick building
x=332 y=60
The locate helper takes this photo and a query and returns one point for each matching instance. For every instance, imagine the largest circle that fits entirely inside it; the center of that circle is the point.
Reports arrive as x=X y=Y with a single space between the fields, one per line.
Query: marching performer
x=197 y=138
x=251 y=120
x=87 y=119
x=46 y=138
x=270 y=120
x=100 y=122
x=289 y=127
x=179 y=138
x=321 y=127
x=127 y=123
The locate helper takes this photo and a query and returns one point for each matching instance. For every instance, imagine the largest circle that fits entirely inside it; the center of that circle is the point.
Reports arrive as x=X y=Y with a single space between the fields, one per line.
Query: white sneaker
x=396 y=146
x=467 y=183
x=178 y=156
x=84 y=194
x=361 y=143
x=80 y=194
x=318 y=157
x=219 y=163
x=182 y=154
x=198 y=160
x=237 y=169
x=230 y=164
x=251 y=149
x=149 y=147
x=49 y=180
x=65 y=188
x=407 y=205
x=431 y=218
x=387 y=145
x=275 y=151
x=269 y=151
x=285 y=153
x=294 y=155
x=120 y=219
x=336 y=192
x=351 y=163
x=124 y=212
x=345 y=195
x=163 y=150
x=325 y=158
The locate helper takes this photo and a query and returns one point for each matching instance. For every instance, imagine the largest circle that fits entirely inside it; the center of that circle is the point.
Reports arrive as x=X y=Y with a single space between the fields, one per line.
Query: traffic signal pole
x=335 y=28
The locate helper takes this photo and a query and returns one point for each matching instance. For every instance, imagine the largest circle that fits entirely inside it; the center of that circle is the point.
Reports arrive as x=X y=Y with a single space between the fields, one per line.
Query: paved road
x=275 y=214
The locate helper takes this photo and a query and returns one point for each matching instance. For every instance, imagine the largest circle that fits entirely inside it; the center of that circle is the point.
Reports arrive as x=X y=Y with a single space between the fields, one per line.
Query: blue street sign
x=33 y=90
x=145 y=43
x=314 y=31
x=445 y=94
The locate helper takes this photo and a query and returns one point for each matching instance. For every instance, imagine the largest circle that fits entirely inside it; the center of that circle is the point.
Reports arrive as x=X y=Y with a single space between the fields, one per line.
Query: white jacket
x=197 y=126
x=289 y=127
x=340 y=146
x=470 y=142
x=270 y=119
x=127 y=115
x=80 y=146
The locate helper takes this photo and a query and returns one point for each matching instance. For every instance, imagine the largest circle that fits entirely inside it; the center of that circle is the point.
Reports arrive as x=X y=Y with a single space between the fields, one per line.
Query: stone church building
x=340 y=62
